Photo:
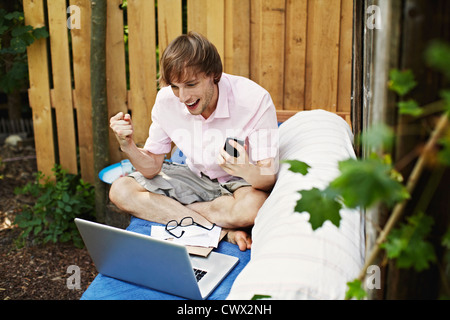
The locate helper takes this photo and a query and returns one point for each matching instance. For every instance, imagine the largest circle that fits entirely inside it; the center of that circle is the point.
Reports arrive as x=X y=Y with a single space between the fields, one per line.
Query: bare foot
x=241 y=238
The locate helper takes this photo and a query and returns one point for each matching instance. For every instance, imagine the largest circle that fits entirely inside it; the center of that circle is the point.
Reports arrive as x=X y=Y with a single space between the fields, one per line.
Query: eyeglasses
x=185 y=222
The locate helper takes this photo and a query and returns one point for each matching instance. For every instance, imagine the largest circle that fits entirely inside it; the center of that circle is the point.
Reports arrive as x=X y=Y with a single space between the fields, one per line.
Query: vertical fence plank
x=295 y=55
x=39 y=92
x=322 y=55
x=208 y=18
x=169 y=22
x=237 y=37
x=268 y=68
x=116 y=78
x=142 y=61
x=345 y=57
x=81 y=48
x=196 y=13
x=62 y=85
x=255 y=39
x=215 y=18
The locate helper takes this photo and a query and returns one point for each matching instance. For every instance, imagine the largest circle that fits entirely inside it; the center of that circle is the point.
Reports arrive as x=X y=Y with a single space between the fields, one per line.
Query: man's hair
x=189 y=53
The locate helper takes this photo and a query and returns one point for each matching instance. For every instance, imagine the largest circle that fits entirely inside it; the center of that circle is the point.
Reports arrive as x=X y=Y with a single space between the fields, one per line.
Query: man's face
x=198 y=93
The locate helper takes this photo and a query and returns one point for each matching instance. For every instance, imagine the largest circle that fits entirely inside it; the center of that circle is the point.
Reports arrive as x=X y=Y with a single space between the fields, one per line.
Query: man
x=198 y=108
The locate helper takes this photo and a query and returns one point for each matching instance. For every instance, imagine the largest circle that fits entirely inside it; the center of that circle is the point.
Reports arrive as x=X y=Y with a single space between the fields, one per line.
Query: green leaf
x=18 y=45
x=437 y=56
x=37 y=230
x=20 y=30
x=16 y=15
x=65 y=237
x=445 y=95
x=401 y=82
x=260 y=296
x=355 y=290
x=446 y=239
x=378 y=136
x=65 y=197
x=407 y=243
x=40 y=33
x=320 y=205
x=446 y=244
x=363 y=183
x=410 y=107
x=297 y=166
x=444 y=152
x=3 y=29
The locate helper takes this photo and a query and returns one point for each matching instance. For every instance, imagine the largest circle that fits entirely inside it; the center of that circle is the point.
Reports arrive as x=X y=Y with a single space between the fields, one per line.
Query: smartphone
x=230 y=149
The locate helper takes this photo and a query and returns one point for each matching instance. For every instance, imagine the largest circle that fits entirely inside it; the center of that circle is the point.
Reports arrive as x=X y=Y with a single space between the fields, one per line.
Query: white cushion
x=289 y=260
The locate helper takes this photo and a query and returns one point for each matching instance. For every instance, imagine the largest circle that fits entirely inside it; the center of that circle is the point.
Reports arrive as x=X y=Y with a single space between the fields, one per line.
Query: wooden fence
x=299 y=50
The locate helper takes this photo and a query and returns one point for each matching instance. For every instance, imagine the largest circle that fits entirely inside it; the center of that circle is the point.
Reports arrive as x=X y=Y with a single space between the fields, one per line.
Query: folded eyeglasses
x=185 y=222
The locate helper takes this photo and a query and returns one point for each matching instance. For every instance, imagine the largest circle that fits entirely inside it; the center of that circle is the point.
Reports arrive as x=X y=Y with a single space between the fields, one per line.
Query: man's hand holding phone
x=233 y=158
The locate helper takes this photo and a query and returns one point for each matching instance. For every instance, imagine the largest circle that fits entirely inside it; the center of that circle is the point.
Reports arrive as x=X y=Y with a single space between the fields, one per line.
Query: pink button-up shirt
x=244 y=110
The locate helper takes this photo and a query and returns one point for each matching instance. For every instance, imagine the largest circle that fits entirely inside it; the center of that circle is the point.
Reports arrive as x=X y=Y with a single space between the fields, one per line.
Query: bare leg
x=230 y=212
x=237 y=211
x=129 y=196
x=234 y=212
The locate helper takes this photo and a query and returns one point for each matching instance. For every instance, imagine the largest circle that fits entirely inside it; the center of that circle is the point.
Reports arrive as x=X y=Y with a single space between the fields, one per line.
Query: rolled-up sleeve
x=264 y=139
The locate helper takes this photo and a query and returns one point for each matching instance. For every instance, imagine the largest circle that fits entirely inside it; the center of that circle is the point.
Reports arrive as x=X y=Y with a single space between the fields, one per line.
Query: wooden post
x=380 y=51
x=99 y=101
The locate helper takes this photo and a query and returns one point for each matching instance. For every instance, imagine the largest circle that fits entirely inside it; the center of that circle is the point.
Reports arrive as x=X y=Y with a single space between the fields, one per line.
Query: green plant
x=373 y=180
x=58 y=202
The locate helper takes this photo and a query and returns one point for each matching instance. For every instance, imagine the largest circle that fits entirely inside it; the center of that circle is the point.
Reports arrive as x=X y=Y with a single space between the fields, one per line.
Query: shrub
x=58 y=202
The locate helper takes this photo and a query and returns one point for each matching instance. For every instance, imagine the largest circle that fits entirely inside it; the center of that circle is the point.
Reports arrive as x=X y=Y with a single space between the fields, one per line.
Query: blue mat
x=107 y=288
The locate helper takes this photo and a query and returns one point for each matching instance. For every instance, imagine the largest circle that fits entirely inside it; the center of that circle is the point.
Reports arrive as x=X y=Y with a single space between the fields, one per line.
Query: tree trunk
x=99 y=101
x=14 y=105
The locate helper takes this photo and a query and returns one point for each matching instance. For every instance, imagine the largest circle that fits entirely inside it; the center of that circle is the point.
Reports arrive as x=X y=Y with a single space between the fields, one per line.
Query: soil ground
x=33 y=272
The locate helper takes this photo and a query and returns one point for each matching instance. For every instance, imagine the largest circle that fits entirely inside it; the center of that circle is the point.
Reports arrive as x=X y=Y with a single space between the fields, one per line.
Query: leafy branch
x=363 y=183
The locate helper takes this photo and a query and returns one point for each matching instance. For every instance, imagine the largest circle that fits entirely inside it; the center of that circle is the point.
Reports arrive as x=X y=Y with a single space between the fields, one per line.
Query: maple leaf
x=401 y=82
x=355 y=290
x=297 y=166
x=437 y=56
x=378 y=136
x=321 y=206
x=363 y=183
x=407 y=243
x=410 y=107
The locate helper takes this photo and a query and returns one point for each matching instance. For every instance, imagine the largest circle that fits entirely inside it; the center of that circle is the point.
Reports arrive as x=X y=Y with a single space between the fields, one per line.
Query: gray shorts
x=177 y=181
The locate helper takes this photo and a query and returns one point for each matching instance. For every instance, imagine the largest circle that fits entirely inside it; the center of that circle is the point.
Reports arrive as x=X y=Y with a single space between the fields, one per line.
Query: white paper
x=193 y=235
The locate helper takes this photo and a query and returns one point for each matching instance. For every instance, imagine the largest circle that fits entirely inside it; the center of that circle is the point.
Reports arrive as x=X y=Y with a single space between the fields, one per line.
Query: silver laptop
x=153 y=263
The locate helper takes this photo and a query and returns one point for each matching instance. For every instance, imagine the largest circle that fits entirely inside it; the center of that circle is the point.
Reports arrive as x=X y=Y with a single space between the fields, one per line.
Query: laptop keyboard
x=199 y=273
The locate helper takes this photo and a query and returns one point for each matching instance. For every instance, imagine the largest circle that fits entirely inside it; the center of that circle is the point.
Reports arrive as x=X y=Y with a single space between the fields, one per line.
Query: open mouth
x=192 y=105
